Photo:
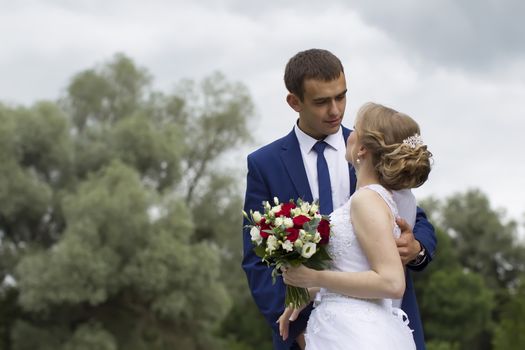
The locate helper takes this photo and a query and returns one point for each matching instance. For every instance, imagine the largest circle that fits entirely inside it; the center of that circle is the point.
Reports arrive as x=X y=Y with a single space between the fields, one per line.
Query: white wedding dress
x=342 y=322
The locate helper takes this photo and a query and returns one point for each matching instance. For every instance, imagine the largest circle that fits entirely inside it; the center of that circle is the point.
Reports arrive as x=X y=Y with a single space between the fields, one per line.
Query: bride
x=353 y=299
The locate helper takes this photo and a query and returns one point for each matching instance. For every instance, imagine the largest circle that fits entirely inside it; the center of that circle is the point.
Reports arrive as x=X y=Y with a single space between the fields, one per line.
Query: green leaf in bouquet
x=290 y=255
x=275 y=273
x=270 y=232
x=279 y=232
x=260 y=251
x=311 y=226
x=319 y=261
x=296 y=262
x=322 y=254
x=279 y=264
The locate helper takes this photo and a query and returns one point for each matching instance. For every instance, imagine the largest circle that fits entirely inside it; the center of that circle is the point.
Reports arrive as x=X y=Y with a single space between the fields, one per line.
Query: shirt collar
x=307 y=142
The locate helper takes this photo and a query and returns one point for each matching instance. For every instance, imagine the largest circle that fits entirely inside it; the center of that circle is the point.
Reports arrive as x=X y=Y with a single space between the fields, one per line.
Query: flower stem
x=296 y=297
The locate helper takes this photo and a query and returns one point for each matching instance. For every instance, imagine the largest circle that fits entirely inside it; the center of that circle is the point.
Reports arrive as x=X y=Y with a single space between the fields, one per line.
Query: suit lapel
x=293 y=162
x=351 y=170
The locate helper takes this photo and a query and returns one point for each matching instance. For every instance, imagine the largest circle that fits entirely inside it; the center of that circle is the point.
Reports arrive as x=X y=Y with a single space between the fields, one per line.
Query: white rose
x=288 y=222
x=257 y=217
x=276 y=209
x=296 y=212
x=256 y=235
x=288 y=246
x=305 y=208
x=313 y=209
x=308 y=250
x=298 y=244
x=271 y=244
x=278 y=221
x=302 y=233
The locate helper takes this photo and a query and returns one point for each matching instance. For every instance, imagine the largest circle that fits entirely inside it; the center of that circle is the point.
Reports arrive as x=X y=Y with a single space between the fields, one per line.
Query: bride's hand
x=300 y=276
x=289 y=314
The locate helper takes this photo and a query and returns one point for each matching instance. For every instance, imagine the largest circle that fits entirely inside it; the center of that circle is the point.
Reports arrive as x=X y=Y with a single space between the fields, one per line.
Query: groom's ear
x=294 y=102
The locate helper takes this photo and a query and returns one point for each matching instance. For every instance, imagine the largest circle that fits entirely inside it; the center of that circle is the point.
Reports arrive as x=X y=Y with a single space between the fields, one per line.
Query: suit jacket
x=277 y=170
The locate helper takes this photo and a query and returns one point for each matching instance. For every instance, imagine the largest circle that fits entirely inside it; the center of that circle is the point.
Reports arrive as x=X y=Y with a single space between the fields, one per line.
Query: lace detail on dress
x=314 y=324
x=340 y=242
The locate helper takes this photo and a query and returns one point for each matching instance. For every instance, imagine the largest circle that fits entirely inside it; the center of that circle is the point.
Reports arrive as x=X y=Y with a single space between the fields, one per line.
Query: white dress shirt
x=406 y=208
x=406 y=205
x=334 y=154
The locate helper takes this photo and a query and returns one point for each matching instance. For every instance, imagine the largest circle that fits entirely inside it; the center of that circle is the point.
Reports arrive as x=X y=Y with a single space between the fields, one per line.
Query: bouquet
x=290 y=234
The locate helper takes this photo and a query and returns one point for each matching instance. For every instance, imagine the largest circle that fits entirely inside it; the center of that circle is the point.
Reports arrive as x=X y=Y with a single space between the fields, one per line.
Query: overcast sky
x=457 y=67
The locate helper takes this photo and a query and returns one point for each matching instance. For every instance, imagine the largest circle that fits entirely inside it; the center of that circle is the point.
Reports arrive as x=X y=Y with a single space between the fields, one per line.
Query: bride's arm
x=373 y=224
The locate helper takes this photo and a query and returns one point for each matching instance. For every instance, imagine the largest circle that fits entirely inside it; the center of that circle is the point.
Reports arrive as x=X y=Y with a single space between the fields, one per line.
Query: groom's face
x=322 y=109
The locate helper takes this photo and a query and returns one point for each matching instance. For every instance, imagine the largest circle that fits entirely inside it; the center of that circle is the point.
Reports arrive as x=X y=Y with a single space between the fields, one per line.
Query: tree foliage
x=456 y=297
x=112 y=206
x=485 y=242
x=477 y=266
x=509 y=333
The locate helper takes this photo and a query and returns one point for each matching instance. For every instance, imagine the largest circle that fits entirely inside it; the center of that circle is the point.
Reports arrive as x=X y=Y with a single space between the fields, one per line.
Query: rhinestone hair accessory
x=414 y=141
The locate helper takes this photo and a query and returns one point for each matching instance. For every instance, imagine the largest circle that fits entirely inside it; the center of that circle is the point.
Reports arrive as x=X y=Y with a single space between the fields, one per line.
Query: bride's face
x=352 y=146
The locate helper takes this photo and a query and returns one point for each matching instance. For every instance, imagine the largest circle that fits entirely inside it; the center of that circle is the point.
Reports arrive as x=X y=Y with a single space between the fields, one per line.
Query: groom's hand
x=290 y=314
x=407 y=245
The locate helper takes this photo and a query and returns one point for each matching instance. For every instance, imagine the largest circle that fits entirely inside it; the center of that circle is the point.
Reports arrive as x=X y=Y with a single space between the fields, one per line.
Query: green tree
x=509 y=333
x=476 y=267
x=484 y=240
x=441 y=345
x=448 y=295
x=456 y=297
x=117 y=223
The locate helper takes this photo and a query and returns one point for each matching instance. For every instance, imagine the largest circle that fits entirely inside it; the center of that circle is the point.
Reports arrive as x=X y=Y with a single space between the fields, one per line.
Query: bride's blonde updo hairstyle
x=400 y=158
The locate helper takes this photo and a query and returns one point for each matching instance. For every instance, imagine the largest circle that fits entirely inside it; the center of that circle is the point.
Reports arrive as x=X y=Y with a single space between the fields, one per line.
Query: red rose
x=293 y=234
x=300 y=220
x=264 y=226
x=324 y=230
x=285 y=210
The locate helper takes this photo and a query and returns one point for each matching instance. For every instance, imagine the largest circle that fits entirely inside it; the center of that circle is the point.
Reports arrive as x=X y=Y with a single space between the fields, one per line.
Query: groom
x=288 y=169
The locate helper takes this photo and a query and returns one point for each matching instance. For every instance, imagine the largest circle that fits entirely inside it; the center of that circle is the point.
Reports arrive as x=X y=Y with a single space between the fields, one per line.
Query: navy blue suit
x=277 y=170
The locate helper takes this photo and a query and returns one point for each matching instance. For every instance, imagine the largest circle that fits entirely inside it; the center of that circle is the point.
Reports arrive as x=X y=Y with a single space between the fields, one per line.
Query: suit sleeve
x=426 y=235
x=269 y=297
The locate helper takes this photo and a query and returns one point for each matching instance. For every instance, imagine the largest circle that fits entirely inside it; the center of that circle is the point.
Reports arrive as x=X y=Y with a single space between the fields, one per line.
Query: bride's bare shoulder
x=365 y=198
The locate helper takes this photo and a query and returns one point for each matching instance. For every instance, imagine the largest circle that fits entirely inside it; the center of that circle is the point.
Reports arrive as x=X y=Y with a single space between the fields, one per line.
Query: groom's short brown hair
x=311 y=64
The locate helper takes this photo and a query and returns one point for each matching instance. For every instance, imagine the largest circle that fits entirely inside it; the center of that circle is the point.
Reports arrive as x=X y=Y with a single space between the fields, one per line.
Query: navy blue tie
x=323 y=178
